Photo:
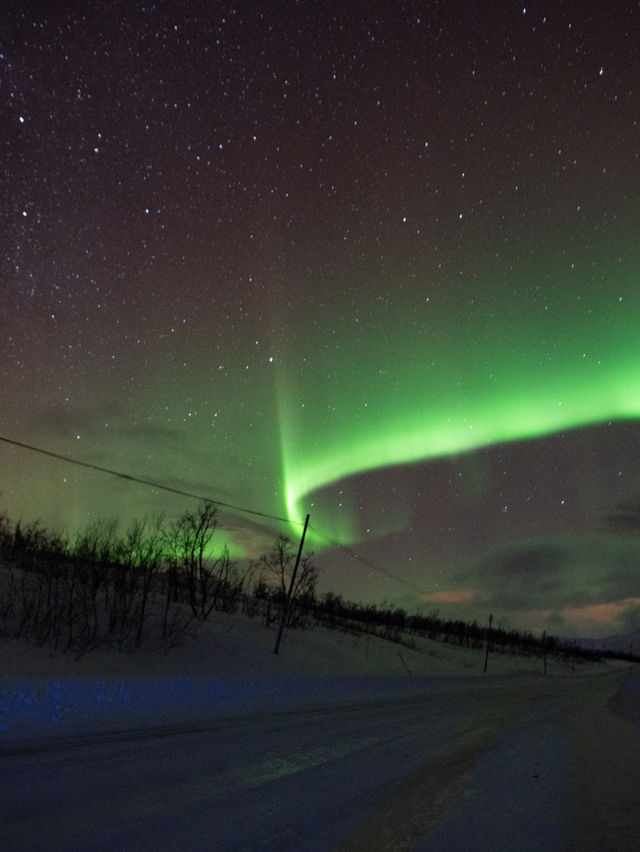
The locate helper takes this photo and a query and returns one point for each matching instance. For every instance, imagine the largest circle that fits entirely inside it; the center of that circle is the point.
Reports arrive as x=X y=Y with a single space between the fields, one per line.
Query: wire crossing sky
x=376 y=264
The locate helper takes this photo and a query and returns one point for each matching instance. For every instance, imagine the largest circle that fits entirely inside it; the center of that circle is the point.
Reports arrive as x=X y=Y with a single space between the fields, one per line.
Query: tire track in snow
x=414 y=811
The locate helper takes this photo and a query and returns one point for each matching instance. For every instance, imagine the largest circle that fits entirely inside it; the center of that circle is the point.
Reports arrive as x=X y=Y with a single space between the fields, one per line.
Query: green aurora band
x=509 y=367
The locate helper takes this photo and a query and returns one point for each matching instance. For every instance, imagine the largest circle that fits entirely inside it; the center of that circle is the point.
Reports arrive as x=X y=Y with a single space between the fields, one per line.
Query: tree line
x=157 y=578
x=396 y=624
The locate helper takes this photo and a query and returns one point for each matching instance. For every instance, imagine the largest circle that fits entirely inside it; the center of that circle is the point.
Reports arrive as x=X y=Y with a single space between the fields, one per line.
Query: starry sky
x=377 y=262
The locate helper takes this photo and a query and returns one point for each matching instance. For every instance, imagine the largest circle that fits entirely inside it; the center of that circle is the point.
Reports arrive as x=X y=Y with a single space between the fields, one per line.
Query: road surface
x=523 y=764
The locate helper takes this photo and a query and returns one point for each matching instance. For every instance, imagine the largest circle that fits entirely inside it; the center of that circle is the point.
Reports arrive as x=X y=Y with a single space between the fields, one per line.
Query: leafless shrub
x=277 y=568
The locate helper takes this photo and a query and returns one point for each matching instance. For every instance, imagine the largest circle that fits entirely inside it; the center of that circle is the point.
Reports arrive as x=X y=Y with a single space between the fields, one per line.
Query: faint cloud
x=603 y=614
x=452 y=596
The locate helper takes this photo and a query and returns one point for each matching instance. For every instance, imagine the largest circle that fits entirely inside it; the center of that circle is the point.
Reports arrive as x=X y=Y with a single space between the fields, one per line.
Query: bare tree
x=95 y=550
x=279 y=564
x=190 y=572
x=132 y=578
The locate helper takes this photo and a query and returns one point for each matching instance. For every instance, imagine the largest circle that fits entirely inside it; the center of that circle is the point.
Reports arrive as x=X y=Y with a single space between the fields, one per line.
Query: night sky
x=377 y=262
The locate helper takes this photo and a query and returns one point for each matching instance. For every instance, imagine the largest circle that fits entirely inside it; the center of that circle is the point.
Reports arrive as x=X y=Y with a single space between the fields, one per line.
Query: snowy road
x=542 y=764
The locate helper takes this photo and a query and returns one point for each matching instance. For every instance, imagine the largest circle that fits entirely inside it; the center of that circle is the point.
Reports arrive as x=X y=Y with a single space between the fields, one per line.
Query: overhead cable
x=148 y=482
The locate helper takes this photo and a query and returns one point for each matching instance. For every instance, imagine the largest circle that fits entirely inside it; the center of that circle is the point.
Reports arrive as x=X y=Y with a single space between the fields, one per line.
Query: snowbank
x=40 y=708
x=31 y=705
x=227 y=668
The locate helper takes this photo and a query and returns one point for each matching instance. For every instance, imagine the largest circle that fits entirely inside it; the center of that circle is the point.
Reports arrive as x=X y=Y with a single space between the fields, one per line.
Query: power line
x=368 y=562
x=148 y=482
x=244 y=510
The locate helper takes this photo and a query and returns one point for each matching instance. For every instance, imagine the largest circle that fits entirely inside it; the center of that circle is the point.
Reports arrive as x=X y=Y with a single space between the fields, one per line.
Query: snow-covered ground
x=338 y=742
x=222 y=667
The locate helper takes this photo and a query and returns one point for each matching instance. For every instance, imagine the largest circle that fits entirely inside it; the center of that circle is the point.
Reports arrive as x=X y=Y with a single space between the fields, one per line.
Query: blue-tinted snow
x=38 y=707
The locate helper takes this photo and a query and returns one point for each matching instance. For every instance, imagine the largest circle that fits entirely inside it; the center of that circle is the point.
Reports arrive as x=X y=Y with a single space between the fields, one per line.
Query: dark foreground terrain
x=521 y=763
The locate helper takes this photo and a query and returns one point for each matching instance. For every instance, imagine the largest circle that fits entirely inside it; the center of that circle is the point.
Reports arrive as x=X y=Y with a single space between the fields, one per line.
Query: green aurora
x=527 y=361
x=377 y=263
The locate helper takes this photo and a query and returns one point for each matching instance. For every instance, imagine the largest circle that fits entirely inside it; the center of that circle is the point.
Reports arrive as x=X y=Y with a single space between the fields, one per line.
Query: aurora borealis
x=518 y=374
x=375 y=262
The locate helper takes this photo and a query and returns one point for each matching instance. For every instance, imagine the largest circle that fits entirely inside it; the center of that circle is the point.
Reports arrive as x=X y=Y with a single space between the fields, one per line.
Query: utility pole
x=286 y=603
x=486 y=653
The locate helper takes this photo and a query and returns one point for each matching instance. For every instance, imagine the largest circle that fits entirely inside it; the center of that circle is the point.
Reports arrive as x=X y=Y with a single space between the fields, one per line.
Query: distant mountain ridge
x=628 y=643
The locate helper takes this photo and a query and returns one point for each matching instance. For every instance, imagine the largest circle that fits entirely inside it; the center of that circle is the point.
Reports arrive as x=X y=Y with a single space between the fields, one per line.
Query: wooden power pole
x=486 y=653
x=286 y=603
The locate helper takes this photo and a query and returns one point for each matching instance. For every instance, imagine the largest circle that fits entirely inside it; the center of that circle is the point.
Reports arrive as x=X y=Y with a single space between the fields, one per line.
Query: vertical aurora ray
x=550 y=352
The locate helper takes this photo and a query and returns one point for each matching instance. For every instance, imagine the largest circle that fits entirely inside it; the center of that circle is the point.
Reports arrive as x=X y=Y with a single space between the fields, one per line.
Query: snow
x=224 y=667
x=339 y=741
x=83 y=704
x=525 y=772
